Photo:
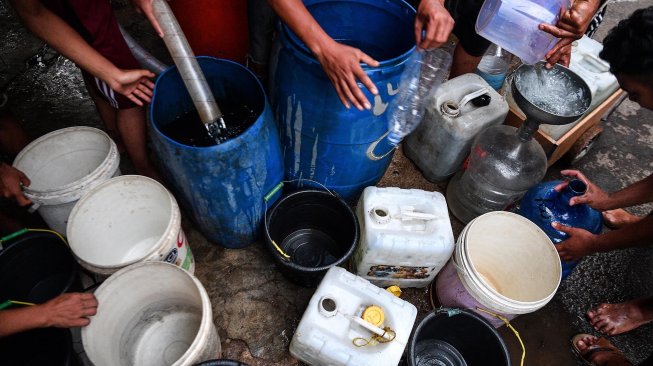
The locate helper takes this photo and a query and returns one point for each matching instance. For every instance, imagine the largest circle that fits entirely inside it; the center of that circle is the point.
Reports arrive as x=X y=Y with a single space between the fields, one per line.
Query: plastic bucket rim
x=295 y=266
x=69 y=188
x=174 y=221
x=445 y=311
x=232 y=142
x=307 y=56
x=207 y=312
x=462 y=260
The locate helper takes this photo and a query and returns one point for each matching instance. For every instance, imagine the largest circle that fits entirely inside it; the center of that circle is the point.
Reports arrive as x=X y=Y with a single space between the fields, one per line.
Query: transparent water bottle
x=504 y=163
x=425 y=70
x=494 y=66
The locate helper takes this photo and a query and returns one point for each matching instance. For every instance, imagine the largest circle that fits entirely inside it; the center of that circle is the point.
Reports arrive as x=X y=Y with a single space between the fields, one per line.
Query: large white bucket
x=125 y=220
x=505 y=263
x=151 y=313
x=62 y=166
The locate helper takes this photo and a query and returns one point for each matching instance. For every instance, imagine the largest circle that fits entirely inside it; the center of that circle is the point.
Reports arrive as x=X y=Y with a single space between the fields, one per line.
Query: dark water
x=189 y=130
x=375 y=51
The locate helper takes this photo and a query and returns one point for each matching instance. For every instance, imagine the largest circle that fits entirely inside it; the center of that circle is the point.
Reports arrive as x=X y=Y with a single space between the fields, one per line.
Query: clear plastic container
x=585 y=62
x=425 y=70
x=443 y=139
x=406 y=236
x=504 y=163
x=513 y=25
x=494 y=66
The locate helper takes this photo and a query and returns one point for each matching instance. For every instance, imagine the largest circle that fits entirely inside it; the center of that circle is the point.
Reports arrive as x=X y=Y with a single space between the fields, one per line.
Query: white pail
x=125 y=220
x=62 y=166
x=151 y=313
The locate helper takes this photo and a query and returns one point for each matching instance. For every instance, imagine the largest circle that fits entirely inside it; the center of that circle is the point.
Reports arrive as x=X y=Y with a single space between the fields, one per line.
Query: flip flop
x=585 y=357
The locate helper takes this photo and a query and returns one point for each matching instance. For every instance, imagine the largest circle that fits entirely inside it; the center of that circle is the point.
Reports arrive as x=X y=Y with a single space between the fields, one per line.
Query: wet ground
x=256 y=310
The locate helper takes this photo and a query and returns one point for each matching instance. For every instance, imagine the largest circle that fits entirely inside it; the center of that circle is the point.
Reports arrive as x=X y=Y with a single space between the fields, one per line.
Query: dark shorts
x=97 y=24
x=464 y=13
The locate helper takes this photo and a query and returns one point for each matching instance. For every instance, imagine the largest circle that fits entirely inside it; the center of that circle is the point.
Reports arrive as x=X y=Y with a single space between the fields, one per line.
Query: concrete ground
x=256 y=310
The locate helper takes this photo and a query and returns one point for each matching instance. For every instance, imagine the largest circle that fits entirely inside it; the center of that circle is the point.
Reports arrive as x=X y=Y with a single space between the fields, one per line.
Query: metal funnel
x=524 y=96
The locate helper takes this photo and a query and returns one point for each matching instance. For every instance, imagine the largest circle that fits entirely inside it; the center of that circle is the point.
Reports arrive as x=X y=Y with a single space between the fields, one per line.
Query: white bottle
x=494 y=65
x=406 y=236
x=347 y=311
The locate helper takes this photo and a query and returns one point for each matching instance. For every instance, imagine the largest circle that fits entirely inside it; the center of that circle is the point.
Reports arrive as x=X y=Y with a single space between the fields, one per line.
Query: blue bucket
x=344 y=149
x=223 y=185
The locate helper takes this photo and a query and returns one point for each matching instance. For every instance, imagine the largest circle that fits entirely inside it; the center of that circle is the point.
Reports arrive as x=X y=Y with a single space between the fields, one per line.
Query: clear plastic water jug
x=513 y=25
x=494 y=65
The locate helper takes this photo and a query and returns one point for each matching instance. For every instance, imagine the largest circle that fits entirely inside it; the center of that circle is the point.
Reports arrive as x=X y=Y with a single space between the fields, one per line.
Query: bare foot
x=616 y=219
x=598 y=351
x=612 y=319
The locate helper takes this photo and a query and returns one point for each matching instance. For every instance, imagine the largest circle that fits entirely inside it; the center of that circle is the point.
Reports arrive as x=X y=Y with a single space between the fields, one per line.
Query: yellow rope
x=523 y=348
x=278 y=248
x=375 y=339
x=51 y=231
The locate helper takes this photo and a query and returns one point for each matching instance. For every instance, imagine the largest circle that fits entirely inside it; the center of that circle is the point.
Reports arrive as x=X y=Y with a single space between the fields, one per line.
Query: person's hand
x=595 y=197
x=571 y=25
x=69 y=310
x=579 y=244
x=435 y=20
x=341 y=63
x=145 y=7
x=11 y=180
x=134 y=84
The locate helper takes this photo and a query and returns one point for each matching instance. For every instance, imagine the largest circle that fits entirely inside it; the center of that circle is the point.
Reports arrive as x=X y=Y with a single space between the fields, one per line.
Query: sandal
x=585 y=356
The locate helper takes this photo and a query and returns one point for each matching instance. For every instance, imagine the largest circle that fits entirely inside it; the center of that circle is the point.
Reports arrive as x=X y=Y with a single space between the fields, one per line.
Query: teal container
x=222 y=186
x=345 y=150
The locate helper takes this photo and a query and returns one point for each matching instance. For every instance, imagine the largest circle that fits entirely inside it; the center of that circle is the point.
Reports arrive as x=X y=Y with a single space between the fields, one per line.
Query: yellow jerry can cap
x=395 y=290
x=374 y=315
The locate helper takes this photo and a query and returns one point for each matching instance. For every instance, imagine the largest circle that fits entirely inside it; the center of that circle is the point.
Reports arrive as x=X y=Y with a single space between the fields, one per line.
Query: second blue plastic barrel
x=222 y=185
x=544 y=205
x=343 y=149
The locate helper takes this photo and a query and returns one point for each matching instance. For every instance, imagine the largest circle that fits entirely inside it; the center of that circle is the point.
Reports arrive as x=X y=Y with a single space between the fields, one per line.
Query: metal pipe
x=189 y=69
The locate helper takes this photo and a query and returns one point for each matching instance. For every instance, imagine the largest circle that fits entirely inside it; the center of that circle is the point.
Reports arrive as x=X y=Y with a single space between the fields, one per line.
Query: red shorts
x=95 y=21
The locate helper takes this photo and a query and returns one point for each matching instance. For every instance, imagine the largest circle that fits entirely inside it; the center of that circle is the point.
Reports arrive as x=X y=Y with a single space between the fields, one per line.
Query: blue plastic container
x=222 y=185
x=543 y=205
x=344 y=149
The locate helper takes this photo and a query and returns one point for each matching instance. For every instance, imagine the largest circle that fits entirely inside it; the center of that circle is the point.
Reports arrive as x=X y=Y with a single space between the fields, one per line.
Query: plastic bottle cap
x=395 y=290
x=374 y=315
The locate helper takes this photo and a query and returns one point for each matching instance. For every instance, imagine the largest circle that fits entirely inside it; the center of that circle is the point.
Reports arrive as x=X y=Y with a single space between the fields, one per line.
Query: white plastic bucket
x=125 y=220
x=505 y=263
x=62 y=166
x=151 y=313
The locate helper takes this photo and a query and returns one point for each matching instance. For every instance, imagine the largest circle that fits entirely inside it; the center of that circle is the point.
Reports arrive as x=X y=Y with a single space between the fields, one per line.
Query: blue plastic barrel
x=345 y=150
x=223 y=185
x=544 y=205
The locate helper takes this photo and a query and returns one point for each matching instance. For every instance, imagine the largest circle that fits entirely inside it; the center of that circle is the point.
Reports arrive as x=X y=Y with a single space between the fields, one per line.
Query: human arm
x=64 y=311
x=11 y=180
x=436 y=22
x=571 y=25
x=134 y=84
x=634 y=194
x=145 y=7
x=581 y=242
x=340 y=62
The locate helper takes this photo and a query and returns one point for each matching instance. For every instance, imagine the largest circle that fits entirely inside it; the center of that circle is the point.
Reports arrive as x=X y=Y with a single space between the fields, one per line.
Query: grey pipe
x=144 y=58
x=189 y=69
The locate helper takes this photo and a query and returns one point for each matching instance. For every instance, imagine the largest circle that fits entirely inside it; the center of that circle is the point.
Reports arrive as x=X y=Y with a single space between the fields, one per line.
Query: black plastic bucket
x=47 y=346
x=221 y=363
x=36 y=267
x=456 y=337
x=317 y=229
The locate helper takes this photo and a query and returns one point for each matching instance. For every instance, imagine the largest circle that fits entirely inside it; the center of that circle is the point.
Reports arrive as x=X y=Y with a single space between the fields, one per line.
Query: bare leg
x=616 y=219
x=131 y=125
x=463 y=62
x=599 y=351
x=612 y=319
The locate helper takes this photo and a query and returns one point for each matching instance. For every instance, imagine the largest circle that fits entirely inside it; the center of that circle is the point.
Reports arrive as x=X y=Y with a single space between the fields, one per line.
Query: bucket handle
x=370 y=150
x=25 y=230
x=523 y=348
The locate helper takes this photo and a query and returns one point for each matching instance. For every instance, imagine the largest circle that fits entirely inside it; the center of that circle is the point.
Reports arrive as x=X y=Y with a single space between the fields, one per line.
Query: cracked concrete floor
x=256 y=310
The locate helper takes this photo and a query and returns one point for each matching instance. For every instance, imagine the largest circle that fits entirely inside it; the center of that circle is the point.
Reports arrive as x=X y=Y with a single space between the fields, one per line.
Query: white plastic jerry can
x=350 y=322
x=458 y=111
x=406 y=236
x=585 y=62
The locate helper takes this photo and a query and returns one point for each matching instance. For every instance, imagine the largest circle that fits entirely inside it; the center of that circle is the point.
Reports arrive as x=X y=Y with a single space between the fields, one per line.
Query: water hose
x=144 y=58
x=188 y=67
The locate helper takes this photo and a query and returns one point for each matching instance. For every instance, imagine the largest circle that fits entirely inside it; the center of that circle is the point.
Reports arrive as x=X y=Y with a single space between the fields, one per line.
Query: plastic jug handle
x=412 y=215
x=471 y=96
